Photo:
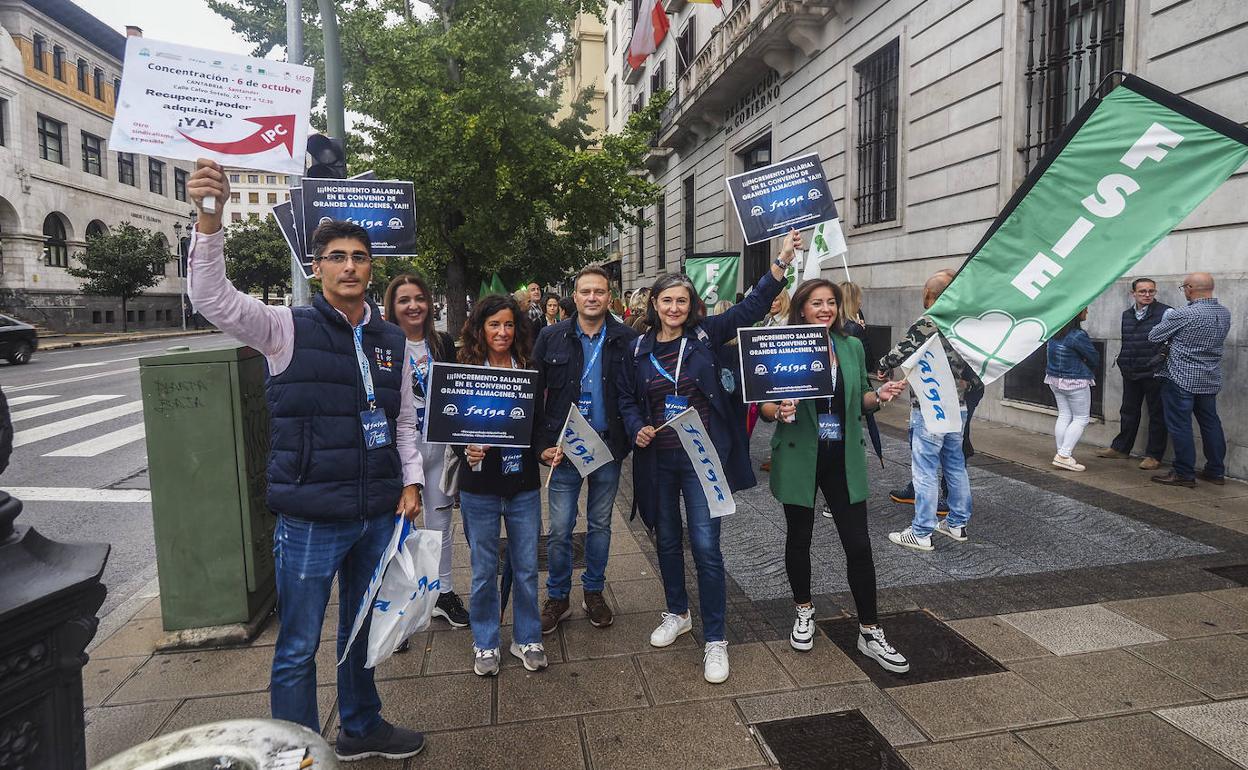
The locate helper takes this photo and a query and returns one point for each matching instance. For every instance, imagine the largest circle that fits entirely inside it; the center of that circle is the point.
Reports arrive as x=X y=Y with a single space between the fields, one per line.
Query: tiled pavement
x=1092 y=621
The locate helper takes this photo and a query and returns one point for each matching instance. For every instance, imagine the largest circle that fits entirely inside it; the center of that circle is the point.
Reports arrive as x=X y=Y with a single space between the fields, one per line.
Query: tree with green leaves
x=257 y=257
x=462 y=101
x=121 y=263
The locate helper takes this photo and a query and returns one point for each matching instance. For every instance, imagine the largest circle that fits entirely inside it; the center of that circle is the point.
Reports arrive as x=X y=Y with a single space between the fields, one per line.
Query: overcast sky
x=189 y=22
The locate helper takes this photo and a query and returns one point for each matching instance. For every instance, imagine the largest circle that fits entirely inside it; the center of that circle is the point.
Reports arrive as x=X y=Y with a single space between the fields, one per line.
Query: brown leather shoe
x=1110 y=453
x=554 y=611
x=765 y=466
x=596 y=608
x=1219 y=480
x=1150 y=464
x=1171 y=480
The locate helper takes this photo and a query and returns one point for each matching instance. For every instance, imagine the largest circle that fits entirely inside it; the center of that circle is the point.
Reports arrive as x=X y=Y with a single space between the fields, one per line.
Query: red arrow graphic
x=274 y=131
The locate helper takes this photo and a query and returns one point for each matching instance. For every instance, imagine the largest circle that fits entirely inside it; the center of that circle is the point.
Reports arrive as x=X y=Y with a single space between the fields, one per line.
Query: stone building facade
x=253 y=194
x=926 y=115
x=59 y=72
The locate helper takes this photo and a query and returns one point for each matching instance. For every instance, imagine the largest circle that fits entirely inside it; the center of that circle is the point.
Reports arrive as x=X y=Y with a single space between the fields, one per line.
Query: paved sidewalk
x=1093 y=620
x=65 y=341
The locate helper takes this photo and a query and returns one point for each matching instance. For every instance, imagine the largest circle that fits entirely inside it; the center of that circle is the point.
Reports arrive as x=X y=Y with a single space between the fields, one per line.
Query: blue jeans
x=482 y=515
x=307 y=555
x=676 y=477
x=565 y=489
x=929 y=454
x=1179 y=406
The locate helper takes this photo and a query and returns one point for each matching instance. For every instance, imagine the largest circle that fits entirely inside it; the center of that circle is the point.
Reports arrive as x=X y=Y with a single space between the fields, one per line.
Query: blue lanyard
x=594 y=356
x=365 y=372
x=680 y=357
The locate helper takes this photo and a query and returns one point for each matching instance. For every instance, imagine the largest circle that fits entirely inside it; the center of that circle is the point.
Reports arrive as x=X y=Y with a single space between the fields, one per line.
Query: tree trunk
x=265 y=293
x=124 y=327
x=456 y=293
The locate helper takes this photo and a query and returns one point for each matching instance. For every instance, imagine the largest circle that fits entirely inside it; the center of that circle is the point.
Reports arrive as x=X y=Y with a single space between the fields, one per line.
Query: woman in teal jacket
x=818 y=442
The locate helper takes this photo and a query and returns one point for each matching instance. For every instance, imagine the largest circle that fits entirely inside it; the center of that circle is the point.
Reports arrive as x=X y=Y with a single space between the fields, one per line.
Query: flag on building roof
x=648 y=33
x=718 y=3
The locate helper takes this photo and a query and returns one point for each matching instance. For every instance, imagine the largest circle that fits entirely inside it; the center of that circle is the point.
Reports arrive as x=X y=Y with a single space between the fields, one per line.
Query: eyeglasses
x=340 y=257
x=1145 y=291
x=1185 y=286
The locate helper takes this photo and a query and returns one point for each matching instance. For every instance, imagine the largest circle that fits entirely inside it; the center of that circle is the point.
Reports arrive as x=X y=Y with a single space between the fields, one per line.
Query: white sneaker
x=533 y=655
x=671 y=627
x=485 y=662
x=827 y=511
x=871 y=642
x=907 y=538
x=803 y=636
x=715 y=662
x=1068 y=463
x=957 y=533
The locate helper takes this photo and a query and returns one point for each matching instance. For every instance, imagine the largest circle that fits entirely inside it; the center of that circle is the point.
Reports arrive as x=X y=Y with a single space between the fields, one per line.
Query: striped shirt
x=661 y=388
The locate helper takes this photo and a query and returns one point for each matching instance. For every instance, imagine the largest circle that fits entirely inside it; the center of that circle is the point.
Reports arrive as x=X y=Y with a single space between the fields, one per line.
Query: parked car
x=17 y=340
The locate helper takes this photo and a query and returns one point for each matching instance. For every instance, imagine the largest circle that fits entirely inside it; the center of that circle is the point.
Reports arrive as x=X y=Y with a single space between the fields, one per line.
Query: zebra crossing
x=41 y=417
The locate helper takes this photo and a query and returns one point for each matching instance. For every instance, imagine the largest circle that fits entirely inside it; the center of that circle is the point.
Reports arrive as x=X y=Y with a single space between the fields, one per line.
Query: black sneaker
x=451 y=609
x=904 y=496
x=387 y=741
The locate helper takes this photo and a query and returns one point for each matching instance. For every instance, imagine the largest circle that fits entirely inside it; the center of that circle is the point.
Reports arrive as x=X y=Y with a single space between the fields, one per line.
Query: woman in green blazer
x=818 y=442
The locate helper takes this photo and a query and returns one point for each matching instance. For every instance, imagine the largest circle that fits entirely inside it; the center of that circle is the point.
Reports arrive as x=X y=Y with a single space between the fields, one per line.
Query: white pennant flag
x=697 y=443
x=826 y=242
x=581 y=444
x=928 y=372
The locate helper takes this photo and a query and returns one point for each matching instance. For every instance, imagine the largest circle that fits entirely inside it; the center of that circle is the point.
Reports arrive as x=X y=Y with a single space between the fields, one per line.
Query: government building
x=926 y=115
x=60 y=69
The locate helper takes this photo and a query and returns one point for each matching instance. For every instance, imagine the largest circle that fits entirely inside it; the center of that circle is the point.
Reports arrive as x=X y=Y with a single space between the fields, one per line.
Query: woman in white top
x=409 y=303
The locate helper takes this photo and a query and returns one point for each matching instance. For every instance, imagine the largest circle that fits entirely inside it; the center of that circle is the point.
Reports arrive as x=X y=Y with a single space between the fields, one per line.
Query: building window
x=234 y=178
x=687 y=206
x=615 y=239
x=156 y=176
x=4 y=116
x=660 y=234
x=685 y=50
x=641 y=241
x=253 y=198
x=160 y=265
x=1071 y=47
x=116 y=90
x=55 y=251
x=658 y=80
x=1025 y=382
x=96 y=316
x=615 y=94
x=50 y=139
x=41 y=49
x=58 y=62
x=82 y=75
x=272 y=198
x=179 y=184
x=235 y=216
x=253 y=179
x=875 y=196
x=270 y=179
x=92 y=154
x=110 y=316
x=125 y=169
x=236 y=197
x=97 y=82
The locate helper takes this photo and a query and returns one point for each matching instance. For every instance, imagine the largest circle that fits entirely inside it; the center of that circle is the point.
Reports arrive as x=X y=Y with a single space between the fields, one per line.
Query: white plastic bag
x=402 y=591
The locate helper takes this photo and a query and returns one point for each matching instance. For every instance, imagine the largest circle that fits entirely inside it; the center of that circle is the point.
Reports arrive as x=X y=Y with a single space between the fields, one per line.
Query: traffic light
x=326 y=158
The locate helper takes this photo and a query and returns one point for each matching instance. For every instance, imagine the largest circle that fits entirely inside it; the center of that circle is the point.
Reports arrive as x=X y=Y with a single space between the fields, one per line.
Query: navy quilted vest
x=318 y=467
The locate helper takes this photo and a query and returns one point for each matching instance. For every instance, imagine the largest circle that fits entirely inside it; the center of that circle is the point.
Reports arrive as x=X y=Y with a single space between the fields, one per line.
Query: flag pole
x=845 y=264
x=559 y=446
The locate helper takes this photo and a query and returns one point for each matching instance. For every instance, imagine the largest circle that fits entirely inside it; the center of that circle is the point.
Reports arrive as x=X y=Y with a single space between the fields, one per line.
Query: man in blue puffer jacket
x=1139 y=381
x=344 y=458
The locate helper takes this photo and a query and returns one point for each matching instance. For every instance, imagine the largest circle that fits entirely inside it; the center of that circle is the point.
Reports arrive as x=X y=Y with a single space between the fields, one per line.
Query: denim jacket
x=1072 y=357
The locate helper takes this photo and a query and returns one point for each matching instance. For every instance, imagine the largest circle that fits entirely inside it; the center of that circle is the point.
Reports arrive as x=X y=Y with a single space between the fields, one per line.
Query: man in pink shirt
x=344 y=458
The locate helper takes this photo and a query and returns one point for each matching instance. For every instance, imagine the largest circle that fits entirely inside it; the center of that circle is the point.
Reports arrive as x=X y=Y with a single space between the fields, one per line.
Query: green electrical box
x=207 y=425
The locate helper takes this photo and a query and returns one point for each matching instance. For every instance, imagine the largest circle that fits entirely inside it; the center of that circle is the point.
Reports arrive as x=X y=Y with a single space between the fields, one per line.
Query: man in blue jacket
x=1139 y=382
x=578 y=359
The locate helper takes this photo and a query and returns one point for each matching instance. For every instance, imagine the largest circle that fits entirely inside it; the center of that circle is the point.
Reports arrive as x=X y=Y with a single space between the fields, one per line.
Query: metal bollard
x=240 y=744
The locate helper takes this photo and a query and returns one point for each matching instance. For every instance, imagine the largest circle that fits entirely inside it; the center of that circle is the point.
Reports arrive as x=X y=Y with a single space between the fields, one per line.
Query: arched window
x=55 y=252
x=159 y=266
x=96 y=228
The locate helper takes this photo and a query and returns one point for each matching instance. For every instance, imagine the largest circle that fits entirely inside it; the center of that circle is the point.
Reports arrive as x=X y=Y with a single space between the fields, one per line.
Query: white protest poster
x=697 y=443
x=582 y=446
x=188 y=103
x=928 y=372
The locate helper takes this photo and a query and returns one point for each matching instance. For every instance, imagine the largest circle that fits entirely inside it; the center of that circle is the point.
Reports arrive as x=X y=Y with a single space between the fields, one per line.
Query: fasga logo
x=761 y=369
x=450 y=410
x=517 y=413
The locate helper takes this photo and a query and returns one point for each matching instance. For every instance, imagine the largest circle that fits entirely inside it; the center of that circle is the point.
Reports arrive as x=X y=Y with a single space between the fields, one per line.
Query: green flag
x=497 y=286
x=1125 y=172
x=714 y=278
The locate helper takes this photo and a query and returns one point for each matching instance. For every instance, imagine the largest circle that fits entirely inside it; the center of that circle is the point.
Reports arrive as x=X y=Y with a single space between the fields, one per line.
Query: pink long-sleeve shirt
x=270 y=329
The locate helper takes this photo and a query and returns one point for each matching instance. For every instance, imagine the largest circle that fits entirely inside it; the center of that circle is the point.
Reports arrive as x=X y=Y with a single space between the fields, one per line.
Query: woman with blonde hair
x=778 y=315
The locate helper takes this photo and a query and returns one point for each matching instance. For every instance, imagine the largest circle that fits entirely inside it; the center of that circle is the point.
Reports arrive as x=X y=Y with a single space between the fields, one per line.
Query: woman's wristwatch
x=879 y=401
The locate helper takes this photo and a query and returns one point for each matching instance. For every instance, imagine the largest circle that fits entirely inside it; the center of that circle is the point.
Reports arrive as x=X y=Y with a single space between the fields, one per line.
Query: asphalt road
x=80 y=458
